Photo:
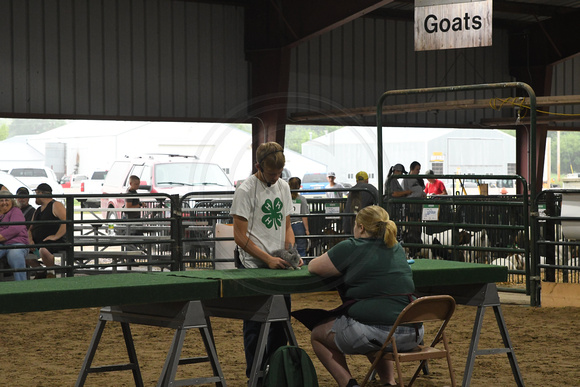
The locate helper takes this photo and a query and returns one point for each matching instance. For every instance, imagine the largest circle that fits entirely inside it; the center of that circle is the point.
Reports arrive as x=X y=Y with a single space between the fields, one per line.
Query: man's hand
x=277 y=263
x=50 y=238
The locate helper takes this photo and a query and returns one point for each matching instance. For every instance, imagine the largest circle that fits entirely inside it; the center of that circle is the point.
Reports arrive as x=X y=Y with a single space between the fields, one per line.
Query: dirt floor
x=48 y=348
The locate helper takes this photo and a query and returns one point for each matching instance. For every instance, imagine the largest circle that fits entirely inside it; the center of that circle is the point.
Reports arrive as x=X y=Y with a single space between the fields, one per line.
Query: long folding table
x=185 y=300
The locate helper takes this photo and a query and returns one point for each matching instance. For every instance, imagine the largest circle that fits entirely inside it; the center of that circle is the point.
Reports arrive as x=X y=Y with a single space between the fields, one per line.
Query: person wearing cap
x=396 y=189
x=23 y=203
x=47 y=233
x=362 y=195
x=434 y=186
x=412 y=233
x=331 y=177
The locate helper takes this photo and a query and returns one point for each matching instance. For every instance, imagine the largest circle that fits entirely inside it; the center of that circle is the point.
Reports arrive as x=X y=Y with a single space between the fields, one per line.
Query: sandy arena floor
x=48 y=348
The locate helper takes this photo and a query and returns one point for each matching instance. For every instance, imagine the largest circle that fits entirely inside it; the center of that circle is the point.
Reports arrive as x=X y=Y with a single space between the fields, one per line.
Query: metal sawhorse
x=181 y=316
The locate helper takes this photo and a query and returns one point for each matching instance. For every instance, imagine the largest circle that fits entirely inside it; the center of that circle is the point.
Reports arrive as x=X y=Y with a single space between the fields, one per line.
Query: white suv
x=167 y=174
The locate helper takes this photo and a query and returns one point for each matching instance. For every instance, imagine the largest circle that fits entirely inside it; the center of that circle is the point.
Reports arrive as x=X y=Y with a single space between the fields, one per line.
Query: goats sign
x=444 y=24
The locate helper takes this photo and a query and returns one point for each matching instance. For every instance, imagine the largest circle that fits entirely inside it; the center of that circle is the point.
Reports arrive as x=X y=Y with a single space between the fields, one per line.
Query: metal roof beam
x=287 y=23
x=464 y=104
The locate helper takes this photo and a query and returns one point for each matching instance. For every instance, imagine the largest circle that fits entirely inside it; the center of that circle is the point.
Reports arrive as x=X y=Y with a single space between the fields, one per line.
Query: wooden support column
x=270 y=71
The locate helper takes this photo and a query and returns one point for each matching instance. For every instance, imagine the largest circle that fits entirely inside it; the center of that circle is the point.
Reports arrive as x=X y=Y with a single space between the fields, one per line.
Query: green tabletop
x=101 y=290
x=142 y=288
x=426 y=273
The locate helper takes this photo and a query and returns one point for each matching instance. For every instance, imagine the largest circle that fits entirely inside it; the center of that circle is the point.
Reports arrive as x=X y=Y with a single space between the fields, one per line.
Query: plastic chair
x=424 y=309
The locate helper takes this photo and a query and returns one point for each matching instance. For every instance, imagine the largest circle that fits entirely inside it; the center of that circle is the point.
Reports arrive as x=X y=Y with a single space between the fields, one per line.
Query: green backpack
x=290 y=366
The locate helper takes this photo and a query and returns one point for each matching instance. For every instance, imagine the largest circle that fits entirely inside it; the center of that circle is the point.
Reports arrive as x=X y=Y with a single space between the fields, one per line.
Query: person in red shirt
x=434 y=186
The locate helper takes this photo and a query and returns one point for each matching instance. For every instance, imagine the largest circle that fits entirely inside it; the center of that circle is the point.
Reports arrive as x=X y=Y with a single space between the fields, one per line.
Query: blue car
x=314 y=181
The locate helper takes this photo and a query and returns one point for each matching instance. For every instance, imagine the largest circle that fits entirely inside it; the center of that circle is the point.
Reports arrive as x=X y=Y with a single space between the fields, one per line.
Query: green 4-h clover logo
x=273 y=213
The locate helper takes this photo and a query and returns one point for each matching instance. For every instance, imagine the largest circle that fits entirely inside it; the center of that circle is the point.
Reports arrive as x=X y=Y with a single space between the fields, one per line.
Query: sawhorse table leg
x=482 y=296
x=507 y=349
x=133 y=364
x=181 y=316
x=263 y=309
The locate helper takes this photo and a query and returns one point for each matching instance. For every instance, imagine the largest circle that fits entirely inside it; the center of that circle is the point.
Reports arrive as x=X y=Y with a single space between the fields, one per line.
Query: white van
x=167 y=174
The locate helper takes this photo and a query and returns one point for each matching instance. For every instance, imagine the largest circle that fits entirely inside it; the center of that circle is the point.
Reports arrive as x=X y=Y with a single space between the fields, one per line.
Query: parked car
x=13 y=183
x=314 y=181
x=93 y=186
x=72 y=181
x=32 y=177
x=168 y=174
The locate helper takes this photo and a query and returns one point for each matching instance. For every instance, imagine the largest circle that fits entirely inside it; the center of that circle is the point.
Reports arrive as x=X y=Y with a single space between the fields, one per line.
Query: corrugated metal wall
x=566 y=81
x=144 y=59
x=179 y=60
x=354 y=65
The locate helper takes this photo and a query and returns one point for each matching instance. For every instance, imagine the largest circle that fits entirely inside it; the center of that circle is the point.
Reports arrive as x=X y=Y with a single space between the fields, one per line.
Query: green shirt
x=375 y=274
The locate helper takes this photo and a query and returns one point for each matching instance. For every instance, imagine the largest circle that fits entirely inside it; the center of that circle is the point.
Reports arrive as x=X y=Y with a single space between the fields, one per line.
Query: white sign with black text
x=444 y=24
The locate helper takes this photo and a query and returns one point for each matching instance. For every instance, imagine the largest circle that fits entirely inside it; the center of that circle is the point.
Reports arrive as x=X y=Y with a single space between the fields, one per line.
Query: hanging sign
x=444 y=24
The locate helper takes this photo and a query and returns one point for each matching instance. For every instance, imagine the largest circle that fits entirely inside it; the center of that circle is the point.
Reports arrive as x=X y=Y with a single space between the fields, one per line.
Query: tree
x=569 y=149
x=296 y=135
x=4 y=132
x=23 y=126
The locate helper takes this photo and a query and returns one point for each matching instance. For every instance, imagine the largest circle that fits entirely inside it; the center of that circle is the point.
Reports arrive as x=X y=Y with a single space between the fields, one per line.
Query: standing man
x=417 y=186
x=134 y=183
x=261 y=211
x=331 y=177
x=359 y=199
x=47 y=233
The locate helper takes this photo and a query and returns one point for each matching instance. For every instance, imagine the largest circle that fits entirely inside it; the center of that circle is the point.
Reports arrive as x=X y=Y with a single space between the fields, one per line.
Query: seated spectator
x=23 y=203
x=434 y=186
x=13 y=234
x=357 y=200
x=47 y=233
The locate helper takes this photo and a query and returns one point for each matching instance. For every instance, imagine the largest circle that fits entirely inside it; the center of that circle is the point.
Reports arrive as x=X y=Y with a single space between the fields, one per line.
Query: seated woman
x=13 y=234
x=374 y=272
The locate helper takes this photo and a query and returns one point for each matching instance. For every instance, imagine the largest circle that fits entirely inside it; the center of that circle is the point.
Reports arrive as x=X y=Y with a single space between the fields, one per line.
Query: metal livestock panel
x=369 y=56
x=122 y=59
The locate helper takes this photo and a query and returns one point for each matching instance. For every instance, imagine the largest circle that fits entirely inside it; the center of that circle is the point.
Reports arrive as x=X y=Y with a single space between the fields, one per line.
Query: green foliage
x=19 y=127
x=3 y=132
x=297 y=135
x=569 y=152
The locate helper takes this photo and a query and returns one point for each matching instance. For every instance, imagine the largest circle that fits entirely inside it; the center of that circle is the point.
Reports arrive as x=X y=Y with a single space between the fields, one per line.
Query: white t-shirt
x=299 y=207
x=330 y=194
x=266 y=209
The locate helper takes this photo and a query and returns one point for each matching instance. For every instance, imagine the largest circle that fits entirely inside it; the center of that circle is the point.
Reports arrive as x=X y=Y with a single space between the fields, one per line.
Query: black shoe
x=40 y=275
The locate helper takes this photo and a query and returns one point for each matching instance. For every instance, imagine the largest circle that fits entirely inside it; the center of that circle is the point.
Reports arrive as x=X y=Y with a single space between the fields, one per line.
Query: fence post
x=69 y=235
x=176 y=234
x=550 y=235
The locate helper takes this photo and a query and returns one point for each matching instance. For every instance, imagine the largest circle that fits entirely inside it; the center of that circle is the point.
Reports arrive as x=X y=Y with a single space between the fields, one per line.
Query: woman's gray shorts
x=353 y=337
